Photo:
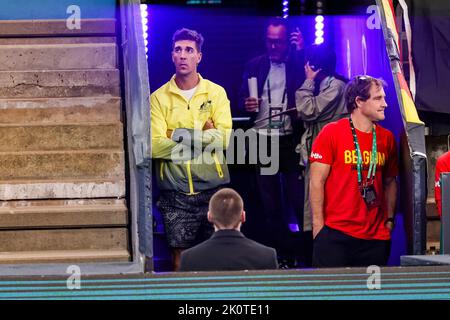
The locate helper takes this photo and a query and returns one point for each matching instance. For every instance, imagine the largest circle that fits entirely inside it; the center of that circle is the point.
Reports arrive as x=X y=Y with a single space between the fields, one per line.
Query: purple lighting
x=319 y=29
x=285 y=9
x=144 y=17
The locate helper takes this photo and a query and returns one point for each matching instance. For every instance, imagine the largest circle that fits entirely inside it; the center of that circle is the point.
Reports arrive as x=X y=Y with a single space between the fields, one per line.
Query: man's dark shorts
x=185 y=217
x=336 y=249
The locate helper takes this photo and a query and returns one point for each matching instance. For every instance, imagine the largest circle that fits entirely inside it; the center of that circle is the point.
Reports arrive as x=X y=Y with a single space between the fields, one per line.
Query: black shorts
x=334 y=248
x=185 y=217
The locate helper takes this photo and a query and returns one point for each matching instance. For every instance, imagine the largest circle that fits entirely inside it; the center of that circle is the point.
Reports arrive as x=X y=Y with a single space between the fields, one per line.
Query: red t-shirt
x=344 y=207
x=442 y=165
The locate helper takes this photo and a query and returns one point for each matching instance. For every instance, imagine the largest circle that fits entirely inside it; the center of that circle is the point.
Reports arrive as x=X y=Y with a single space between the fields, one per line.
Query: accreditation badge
x=369 y=195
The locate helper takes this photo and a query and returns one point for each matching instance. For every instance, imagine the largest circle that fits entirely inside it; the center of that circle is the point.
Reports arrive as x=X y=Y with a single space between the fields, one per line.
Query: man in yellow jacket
x=191 y=125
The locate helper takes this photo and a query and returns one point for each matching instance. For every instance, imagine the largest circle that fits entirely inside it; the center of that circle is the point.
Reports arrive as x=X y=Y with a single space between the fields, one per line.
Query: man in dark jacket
x=228 y=248
x=279 y=73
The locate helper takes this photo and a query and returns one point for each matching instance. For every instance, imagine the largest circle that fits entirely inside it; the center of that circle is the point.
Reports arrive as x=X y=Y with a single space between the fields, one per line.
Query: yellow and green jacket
x=193 y=160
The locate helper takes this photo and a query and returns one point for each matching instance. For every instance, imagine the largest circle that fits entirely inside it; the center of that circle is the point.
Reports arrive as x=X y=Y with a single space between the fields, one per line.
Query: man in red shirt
x=442 y=165
x=353 y=182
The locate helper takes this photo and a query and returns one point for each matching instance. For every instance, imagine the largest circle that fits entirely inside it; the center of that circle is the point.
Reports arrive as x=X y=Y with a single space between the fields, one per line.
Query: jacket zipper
x=161 y=171
x=191 y=184
x=218 y=167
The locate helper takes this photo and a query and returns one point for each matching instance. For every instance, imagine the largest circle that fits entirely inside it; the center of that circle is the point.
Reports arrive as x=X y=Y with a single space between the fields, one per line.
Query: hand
x=316 y=230
x=252 y=104
x=209 y=124
x=169 y=133
x=390 y=225
x=310 y=73
x=296 y=39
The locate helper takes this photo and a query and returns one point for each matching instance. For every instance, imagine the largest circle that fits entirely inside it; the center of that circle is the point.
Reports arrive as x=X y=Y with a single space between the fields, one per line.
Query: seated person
x=228 y=248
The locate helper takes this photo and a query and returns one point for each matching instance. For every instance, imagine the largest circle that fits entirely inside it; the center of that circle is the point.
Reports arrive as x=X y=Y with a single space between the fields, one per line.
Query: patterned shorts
x=185 y=217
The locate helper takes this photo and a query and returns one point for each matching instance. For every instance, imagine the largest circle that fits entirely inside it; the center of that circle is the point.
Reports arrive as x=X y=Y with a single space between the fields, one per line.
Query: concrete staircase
x=62 y=162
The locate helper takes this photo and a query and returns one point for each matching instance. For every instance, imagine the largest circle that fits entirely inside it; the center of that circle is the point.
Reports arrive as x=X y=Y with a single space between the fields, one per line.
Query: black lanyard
x=269 y=95
x=373 y=159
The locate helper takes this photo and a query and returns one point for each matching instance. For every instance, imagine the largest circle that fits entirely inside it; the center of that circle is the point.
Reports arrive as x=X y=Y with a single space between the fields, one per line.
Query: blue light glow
x=319 y=34
x=285 y=9
x=194 y=2
x=144 y=17
x=144 y=12
x=319 y=18
x=320 y=26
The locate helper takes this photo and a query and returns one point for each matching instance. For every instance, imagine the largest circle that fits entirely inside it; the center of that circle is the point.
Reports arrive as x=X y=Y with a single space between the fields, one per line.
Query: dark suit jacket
x=228 y=250
x=259 y=67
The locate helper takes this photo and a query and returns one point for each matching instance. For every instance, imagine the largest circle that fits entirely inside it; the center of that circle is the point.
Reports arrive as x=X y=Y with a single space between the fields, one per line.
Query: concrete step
x=56 y=40
x=97 y=164
x=62 y=189
x=65 y=256
x=62 y=213
x=64 y=239
x=60 y=110
x=87 y=136
x=58 y=56
x=56 y=27
x=59 y=84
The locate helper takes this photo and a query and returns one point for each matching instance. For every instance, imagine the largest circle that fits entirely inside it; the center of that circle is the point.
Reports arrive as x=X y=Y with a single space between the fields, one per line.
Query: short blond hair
x=225 y=208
